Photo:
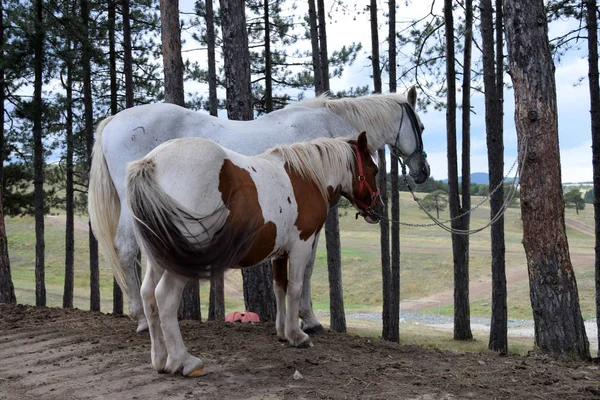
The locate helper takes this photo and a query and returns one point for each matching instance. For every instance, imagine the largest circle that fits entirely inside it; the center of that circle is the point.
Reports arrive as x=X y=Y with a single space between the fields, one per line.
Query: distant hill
x=480 y=178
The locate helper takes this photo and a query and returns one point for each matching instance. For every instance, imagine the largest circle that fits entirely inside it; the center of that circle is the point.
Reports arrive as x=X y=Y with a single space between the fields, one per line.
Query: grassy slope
x=426 y=266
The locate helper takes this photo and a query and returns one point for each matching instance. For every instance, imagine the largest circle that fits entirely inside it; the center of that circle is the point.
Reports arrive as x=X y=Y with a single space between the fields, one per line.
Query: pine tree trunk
x=258 y=281
x=384 y=237
x=127 y=55
x=493 y=121
x=7 y=290
x=170 y=34
x=592 y=26
x=212 y=72
x=216 y=303
x=38 y=161
x=323 y=55
x=89 y=134
x=316 y=53
x=462 y=316
x=337 y=318
x=69 y=196
x=114 y=108
x=268 y=61
x=395 y=195
x=559 y=327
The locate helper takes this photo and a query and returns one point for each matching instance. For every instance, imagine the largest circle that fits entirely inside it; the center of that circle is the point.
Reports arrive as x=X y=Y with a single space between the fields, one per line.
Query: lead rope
x=442 y=224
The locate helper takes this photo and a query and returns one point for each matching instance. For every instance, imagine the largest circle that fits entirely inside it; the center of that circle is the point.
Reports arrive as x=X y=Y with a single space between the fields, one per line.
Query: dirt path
x=72 y=354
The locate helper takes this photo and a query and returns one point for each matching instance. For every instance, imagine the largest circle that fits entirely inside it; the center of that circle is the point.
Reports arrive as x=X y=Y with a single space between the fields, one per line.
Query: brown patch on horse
x=239 y=192
x=280 y=272
x=312 y=211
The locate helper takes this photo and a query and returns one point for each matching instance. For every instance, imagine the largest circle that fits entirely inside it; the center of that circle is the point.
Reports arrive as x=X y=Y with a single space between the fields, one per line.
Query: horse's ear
x=362 y=142
x=411 y=96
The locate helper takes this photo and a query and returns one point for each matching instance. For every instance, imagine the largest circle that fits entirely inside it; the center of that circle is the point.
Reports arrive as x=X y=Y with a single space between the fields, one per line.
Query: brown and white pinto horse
x=199 y=207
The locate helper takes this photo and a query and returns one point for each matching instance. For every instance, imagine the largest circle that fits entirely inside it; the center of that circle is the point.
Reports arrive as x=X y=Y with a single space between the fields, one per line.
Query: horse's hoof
x=194 y=367
x=142 y=326
x=304 y=345
x=314 y=330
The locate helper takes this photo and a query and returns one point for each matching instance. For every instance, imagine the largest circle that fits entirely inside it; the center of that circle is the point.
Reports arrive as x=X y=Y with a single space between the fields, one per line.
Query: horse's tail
x=104 y=206
x=178 y=239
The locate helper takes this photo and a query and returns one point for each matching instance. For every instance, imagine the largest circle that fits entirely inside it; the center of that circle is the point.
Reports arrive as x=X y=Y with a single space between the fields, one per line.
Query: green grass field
x=426 y=265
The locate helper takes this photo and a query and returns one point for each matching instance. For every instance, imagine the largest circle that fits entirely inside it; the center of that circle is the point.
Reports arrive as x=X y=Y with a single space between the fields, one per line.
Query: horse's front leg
x=280 y=282
x=310 y=324
x=298 y=258
x=168 y=294
x=157 y=341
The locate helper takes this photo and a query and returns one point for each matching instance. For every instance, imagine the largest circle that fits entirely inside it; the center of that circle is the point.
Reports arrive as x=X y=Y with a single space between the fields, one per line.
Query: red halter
x=362 y=182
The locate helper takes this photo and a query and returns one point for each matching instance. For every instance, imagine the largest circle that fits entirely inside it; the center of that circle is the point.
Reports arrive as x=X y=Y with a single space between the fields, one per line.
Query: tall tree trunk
x=69 y=200
x=127 y=55
x=38 y=160
x=258 y=281
x=493 y=122
x=7 y=289
x=89 y=134
x=395 y=195
x=462 y=330
x=559 y=327
x=592 y=26
x=216 y=304
x=323 y=55
x=212 y=71
x=316 y=53
x=337 y=319
x=114 y=108
x=268 y=61
x=462 y=317
x=170 y=34
x=384 y=225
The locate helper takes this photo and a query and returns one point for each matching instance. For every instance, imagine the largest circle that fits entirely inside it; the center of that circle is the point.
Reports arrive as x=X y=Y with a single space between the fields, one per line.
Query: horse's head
x=408 y=144
x=365 y=195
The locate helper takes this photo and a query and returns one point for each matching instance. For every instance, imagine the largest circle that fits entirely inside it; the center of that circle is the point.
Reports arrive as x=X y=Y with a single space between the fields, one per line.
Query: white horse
x=131 y=134
x=199 y=208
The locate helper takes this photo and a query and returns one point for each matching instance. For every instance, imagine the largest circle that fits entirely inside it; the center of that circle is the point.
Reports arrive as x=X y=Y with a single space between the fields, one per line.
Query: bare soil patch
x=60 y=354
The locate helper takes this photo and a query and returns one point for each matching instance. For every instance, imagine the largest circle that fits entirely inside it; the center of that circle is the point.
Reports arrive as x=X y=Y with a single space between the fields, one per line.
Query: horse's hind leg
x=168 y=294
x=158 y=347
x=310 y=324
x=127 y=250
x=298 y=258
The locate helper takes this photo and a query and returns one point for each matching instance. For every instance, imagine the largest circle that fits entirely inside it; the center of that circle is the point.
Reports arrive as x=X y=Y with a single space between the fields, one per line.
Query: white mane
x=314 y=160
x=376 y=114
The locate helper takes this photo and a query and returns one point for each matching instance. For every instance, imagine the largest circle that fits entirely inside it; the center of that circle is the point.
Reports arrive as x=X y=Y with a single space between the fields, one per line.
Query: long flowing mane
x=315 y=159
x=376 y=114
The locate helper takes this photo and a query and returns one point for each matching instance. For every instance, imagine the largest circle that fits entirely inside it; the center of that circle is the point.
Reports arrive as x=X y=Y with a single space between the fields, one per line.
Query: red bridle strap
x=362 y=182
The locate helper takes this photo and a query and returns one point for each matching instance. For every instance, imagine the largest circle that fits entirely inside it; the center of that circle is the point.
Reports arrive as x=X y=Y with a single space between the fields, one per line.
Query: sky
x=572 y=93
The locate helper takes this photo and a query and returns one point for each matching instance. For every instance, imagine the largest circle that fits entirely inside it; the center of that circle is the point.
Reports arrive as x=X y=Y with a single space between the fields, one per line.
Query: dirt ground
x=73 y=354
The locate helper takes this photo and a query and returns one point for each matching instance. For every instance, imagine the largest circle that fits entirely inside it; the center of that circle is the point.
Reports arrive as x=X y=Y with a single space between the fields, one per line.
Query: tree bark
x=323 y=55
x=594 y=85
x=258 y=281
x=127 y=55
x=559 y=327
x=395 y=195
x=268 y=61
x=89 y=134
x=216 y=303
x=337 y=318
x=498 y=340
x=38 y=160
x=462 y=329
x=316 y=53
x=69 y=196
x=7 y=289
x=170 y=34
x=212 y=71
x=114 y=108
